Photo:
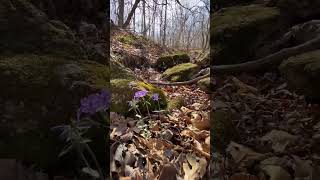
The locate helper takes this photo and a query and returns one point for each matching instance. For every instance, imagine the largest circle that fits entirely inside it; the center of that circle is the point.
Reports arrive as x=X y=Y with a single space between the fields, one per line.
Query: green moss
x=302 y=73
x=97 y=74
x=118 y=71
x=181 y=72
x=127 y=39
x=239 y=30
x=204 y=84
x=122 y=94
x=167 y=61
x=176 y=103
x=23 y=75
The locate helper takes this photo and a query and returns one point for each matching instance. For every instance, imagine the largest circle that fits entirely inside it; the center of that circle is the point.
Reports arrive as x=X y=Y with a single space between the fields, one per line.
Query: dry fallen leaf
x=200 y=122
x=197 y=169
x=168 y=172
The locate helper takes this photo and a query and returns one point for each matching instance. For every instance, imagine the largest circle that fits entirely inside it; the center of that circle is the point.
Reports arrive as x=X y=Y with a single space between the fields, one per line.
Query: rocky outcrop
x=302 y=72
x=181 y=72
x=170 y=60
x=25 y=29
x=238 y=32
x=123 y=86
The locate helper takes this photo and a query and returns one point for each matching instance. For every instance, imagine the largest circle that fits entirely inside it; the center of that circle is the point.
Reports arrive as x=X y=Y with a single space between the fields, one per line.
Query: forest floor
x=167 y=145
x=279 y=135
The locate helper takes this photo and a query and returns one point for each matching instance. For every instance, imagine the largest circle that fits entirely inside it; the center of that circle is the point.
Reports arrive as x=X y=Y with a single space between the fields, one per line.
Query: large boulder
x=237 y=32
x=123 y=91
x=302 y=72
x=167 y=61
x=123 y=86
x=24 y=29
x=39 y=92
x=181 y=72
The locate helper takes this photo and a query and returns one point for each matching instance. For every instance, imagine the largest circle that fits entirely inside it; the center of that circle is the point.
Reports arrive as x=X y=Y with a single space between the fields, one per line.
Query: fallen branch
x=181 y=83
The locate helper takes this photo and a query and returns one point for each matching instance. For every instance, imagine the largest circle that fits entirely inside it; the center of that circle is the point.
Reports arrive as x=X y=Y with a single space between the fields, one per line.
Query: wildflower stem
x=82 y=157
x=94 y=160
x=159 y=105
x=145 y=102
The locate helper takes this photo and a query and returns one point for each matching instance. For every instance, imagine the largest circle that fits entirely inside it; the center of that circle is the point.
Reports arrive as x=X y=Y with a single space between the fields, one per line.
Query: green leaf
x=91 y=172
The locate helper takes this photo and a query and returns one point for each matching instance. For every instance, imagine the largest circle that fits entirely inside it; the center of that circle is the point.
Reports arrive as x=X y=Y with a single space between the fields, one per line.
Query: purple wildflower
x=94 y=103
x=155 y=97
x=140 y=94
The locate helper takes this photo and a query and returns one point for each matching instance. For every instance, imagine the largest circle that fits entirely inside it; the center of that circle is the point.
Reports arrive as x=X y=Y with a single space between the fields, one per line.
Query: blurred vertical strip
x=106 y=29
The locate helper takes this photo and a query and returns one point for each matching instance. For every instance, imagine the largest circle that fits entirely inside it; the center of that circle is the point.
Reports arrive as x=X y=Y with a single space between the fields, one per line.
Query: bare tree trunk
x=161 y=23
x=121 y=13
x=134 y=7
x=165 y=25
x=144 y=26
x=154 y=19
x=134 y=20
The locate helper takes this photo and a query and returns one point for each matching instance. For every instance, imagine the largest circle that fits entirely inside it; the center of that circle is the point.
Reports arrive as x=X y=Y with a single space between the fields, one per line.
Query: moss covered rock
x=171 y=60
x=176 y=103
x=25 y=29
x=39 y=92
x=43 y=73
x=123 y=91
x=302 y=72
x=204 y=84
x=238 y=31
x=181 y=72
x=119 y=71
x=223 y=130
x=47 y=87
x=129 y=39
x=204 y=60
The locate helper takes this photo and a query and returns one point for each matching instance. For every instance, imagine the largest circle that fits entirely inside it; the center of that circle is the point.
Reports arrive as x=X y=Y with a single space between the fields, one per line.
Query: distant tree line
x=172 y=23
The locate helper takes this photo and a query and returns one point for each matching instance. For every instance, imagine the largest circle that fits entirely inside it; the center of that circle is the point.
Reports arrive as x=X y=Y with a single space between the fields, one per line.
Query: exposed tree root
x=181 y=83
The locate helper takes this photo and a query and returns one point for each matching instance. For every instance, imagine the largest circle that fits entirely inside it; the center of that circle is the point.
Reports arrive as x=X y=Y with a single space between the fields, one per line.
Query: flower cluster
x=94 y=103
x=155 y=97
x=140 y=94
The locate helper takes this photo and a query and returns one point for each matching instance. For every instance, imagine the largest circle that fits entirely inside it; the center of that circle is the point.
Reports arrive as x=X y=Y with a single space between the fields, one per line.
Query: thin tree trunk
x=121 y=13
x=144 y=26
x=134 y=7
x=165 y=25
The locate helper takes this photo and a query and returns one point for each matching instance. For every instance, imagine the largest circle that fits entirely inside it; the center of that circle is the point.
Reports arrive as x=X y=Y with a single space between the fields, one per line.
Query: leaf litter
x=169 y=146
x=278 y=130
